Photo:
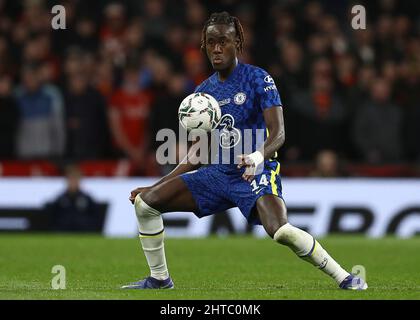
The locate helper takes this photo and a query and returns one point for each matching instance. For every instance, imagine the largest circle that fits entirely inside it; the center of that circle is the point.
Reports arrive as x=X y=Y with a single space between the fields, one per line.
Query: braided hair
x=223 y=18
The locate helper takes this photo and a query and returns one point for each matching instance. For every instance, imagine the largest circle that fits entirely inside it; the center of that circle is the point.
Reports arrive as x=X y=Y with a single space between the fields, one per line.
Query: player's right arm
x=186 y=165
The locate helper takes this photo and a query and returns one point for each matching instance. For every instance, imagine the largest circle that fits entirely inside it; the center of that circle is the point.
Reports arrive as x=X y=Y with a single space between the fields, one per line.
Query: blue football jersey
x=242 y=97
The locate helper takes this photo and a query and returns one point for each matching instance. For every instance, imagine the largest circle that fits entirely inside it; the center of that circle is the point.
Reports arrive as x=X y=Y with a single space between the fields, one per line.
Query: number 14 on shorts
x=256 y=188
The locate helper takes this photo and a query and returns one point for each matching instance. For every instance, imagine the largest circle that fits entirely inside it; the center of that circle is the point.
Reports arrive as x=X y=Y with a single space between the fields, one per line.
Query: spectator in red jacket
x=129 y=114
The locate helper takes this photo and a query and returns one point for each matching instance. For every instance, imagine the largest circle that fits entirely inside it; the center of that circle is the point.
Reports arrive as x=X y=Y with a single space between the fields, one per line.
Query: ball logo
x=268 y=79
x=239 y=98
x=229 y=135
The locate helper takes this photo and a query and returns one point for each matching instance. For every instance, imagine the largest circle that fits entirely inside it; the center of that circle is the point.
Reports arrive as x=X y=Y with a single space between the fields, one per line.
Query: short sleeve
x=200 y=87
x=266 y=91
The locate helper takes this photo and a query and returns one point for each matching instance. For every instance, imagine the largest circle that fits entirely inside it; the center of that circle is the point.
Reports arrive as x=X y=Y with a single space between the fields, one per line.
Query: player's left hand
x=135 y=192
x=250 y=167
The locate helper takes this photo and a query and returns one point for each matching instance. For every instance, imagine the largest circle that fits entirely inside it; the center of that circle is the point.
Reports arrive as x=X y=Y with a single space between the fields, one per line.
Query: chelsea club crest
x=239 y=98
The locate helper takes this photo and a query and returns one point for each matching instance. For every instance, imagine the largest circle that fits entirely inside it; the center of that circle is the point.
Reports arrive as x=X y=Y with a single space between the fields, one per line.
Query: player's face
x=221 y=46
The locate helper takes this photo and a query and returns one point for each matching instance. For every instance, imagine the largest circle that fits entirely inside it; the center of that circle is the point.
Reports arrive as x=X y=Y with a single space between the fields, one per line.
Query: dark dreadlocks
x=223 y=18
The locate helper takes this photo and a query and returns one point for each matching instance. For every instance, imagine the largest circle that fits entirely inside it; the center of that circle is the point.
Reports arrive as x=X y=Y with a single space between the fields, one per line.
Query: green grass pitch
x=210 y=268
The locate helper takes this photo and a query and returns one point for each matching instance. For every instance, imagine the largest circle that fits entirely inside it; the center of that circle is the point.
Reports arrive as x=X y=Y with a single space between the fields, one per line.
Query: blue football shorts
x=216 y=188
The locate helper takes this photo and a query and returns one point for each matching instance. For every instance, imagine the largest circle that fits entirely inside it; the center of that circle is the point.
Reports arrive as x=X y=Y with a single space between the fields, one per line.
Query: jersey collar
x=230 y=77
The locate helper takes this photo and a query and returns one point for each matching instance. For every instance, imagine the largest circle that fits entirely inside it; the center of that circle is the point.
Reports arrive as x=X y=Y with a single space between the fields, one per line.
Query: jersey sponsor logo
x=224 y=102
x=229 y=135
x=269 y=79
x=272 y=87
x=239 y=98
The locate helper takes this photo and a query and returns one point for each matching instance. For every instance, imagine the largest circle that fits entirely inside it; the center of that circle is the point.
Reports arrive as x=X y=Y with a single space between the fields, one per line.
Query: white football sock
x=307 y=248
x=151 y=233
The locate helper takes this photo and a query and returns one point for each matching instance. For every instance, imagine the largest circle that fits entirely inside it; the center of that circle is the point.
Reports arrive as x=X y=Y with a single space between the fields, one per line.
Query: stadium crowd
x=104 y=86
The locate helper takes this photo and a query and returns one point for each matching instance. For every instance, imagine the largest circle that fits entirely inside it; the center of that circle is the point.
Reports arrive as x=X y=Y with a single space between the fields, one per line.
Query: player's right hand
x=135 y=192
x=248 y=163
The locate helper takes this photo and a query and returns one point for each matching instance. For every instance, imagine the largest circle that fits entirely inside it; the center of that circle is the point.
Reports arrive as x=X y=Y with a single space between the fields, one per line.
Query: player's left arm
x=274 y=121
x=268 y=99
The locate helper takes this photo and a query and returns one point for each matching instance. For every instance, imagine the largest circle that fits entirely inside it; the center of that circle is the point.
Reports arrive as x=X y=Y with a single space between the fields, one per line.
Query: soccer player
x=250 y=100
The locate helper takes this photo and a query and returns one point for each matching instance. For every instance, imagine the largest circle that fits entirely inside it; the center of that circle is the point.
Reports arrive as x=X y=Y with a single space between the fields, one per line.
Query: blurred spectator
x=134 y=39
x=114 y=22
x=412 y=133
x=322 y=116
x=313 y=14
x=6 y=13
x=74 y=210
x=195 y=15
x=195 y=66
x=346 y=72
x=35 y=16
x=103 y=79
x=38 y=51
x=285 y=27
x=174 y=47
x=41 y=132
x=293 y=73
x=327 y=165
x=9 y=119
x=318 y=46
x=364 y=46
x=365 y=78
x=155 y=19
x=86 y=120
x=86 y=35
x=408 y=95
x=160 y=71
x=112 y=32
x=129 y=114
x=164 y=115
x=377 y=128
x=290 y=78
x=164 y=110
x=6 y=61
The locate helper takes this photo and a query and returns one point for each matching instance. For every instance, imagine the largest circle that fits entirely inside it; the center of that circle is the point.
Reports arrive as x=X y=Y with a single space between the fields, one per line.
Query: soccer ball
x=199 y=111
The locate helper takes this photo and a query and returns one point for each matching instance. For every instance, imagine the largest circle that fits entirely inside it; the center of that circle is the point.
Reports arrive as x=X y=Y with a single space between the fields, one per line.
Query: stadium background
x=79 y=109
x=94 y=95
